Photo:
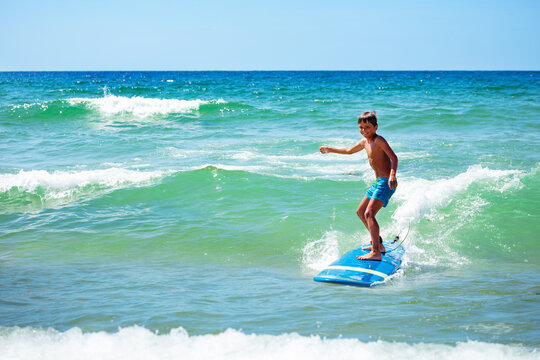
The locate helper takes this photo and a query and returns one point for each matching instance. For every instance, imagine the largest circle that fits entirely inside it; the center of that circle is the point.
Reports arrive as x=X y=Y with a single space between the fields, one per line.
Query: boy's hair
x=368 y=116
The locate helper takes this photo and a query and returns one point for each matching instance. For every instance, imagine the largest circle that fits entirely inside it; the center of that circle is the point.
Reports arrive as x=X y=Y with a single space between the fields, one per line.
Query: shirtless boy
x=384 y=162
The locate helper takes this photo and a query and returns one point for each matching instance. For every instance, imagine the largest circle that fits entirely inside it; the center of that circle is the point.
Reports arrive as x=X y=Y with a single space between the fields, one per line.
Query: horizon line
x=283 y=70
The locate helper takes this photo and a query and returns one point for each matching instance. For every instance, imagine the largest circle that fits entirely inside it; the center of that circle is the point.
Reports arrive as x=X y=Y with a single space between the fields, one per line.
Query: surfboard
x=351 y=271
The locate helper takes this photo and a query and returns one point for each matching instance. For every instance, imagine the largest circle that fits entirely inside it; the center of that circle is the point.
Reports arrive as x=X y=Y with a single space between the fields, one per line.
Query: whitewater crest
x=37 y=189
x=445 y=206
x=141 y=106
x=420 y=198
x=139 y=343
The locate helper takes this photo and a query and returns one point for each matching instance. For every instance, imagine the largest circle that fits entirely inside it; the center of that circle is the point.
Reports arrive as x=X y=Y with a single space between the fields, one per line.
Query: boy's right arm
x=347 y=151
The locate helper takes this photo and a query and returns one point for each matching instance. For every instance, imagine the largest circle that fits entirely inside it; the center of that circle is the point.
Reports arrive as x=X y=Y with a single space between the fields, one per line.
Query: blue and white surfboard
x=351 y=271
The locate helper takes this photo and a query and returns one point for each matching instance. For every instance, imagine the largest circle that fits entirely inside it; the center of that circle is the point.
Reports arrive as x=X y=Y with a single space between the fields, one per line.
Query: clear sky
x=269 y=35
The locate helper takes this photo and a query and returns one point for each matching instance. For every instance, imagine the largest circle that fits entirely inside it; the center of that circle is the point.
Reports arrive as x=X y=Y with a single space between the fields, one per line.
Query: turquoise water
x=154 y=214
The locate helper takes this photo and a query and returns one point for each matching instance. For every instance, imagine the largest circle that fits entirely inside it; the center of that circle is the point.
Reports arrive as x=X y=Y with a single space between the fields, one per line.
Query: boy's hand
x=324 y=149
x=392 y=182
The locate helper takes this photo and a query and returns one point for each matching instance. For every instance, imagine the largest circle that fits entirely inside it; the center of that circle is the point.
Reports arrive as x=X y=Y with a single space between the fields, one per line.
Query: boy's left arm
x=392 y=181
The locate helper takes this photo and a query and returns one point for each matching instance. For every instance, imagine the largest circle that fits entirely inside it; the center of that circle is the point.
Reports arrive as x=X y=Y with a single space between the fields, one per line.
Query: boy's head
x=368 y=116
x=367 y=123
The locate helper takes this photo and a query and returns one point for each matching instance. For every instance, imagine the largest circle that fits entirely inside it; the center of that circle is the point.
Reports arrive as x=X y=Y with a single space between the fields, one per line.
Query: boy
x=384 y=162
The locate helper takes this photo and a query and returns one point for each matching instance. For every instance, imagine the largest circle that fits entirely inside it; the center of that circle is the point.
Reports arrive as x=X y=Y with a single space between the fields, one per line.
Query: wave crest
x=141 y=106
x=420 y=198
x=139 y=343
x=37 y=189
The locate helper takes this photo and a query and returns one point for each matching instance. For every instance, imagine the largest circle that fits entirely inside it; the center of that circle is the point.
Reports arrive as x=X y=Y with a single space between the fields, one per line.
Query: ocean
x=151 y=215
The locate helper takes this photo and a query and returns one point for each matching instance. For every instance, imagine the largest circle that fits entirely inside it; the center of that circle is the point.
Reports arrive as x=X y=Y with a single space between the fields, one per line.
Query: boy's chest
x=371 y=149
x=374 y=152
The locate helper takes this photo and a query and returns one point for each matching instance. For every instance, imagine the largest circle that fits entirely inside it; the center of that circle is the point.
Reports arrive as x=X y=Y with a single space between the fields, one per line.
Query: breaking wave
x=141 y=106
x=139 y=343
x=37 y=189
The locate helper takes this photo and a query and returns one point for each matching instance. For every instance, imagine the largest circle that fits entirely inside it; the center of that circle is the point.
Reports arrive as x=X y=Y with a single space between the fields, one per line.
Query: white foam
x=141 y=106
x=61 y=187
x=139 y=343
x=66 y=180
x=420 y=198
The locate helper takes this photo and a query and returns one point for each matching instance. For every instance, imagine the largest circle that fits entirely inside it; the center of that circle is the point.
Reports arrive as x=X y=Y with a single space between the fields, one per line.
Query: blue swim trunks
x=380 y=191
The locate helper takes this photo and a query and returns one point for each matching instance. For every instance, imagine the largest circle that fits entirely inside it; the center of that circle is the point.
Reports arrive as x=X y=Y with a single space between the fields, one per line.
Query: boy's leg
x=361 y=211
x=372 y=209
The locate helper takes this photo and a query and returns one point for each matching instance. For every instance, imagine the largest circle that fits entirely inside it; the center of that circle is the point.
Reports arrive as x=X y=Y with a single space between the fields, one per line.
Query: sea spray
x=317 y=254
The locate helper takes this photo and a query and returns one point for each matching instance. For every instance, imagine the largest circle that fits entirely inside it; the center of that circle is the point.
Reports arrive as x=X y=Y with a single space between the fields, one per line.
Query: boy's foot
x=381 y=246
x=370 y=256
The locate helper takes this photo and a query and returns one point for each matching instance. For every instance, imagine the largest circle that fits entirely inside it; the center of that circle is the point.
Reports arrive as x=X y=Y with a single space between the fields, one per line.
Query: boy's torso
x=379 y=161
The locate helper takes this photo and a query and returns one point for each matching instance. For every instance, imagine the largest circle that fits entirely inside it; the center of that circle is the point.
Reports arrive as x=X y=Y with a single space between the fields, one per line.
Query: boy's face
x=367 y=129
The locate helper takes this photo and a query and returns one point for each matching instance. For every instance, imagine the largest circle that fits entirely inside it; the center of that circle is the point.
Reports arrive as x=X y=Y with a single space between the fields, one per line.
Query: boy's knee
x=360 y=213
x=369 y=214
